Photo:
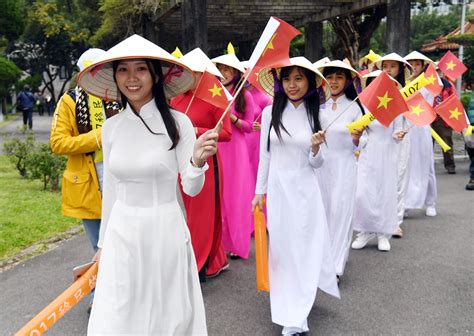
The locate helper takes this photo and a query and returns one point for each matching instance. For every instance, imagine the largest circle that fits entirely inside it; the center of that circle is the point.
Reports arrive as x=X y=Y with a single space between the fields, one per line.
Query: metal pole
x=461 y=47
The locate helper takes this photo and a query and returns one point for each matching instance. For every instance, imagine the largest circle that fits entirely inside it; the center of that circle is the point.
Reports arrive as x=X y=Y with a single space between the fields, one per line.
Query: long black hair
x=280 y=100
x=350 y=90
x=154 y=67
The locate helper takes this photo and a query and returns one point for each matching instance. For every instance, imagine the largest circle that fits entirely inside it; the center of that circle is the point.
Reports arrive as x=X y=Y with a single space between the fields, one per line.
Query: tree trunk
x=398 y=26
x=313 y=41
x=348 y=36
x=194 y=21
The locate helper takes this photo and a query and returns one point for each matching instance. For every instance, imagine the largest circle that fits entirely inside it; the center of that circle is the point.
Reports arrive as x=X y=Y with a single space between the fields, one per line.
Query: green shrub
x=44 y=165
x=18 y=150
x=35 y=160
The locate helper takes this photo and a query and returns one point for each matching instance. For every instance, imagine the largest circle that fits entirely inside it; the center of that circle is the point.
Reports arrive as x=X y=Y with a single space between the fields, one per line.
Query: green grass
x=28 y=214
x=7 y=119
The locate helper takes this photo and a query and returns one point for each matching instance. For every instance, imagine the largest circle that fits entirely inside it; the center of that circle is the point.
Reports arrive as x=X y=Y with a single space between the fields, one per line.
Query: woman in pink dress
x=238 y=180
x=261 y=100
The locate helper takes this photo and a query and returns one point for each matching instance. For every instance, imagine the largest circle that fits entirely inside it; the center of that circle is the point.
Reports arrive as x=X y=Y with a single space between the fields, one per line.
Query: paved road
x=41 y=128
x=424 y=286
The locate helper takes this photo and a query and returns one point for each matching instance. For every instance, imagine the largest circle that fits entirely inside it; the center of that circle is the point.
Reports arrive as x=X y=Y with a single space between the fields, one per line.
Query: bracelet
x=236 y=120
x=195 y=165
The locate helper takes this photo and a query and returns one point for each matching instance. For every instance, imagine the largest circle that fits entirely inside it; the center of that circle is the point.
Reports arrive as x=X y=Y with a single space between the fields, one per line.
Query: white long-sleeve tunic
x=300 y=255
x=338 y=175
x=422 y=189
x=148 y=281
x=377 y=171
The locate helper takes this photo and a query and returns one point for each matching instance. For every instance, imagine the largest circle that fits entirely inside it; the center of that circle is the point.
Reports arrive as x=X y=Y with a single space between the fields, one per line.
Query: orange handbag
x=261 y=250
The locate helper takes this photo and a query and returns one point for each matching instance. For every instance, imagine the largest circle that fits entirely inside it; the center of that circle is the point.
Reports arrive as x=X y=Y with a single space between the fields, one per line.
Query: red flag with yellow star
x=273 y=47
x=421 y=113
x=434 y=85
x=383 y=99
x=452 y=112
x=451 y=66
x=211 y=90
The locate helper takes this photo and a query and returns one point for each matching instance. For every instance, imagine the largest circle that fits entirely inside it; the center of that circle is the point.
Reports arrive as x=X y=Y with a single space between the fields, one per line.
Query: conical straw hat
x=415 y=55
x=197 y=61
x=339 y=64
x=98 y=78
x=266 y=78
x=229 y=60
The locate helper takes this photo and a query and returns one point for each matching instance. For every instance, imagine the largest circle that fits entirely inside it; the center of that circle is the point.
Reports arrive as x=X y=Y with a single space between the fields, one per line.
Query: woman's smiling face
x=134 y=80
x=295 y=84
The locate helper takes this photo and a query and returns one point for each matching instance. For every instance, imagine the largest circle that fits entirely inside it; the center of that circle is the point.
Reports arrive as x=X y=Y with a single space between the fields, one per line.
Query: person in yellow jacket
x=76 y=133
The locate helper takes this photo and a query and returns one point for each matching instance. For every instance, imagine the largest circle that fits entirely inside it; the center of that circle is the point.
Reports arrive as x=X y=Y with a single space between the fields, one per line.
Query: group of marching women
x=285 y=141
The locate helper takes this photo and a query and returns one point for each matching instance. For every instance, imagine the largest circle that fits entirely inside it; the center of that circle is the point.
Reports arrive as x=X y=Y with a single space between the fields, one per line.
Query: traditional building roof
x=442 y=44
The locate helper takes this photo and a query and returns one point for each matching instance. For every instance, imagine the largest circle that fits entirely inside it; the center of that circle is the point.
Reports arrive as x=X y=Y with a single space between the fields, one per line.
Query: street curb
x=40 y=248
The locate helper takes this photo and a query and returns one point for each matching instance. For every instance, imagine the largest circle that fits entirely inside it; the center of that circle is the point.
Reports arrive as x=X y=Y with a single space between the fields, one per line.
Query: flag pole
x=239 y=88
x=190 y=103
x=461 y=46
x=340 y=114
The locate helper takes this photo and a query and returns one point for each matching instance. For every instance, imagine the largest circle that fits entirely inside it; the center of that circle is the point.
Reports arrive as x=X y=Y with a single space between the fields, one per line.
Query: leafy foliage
x=11 y=19
x=44 y=165
x=18 y=150
x=122 y=18
x=9 y=74
x=56 y=34
x=35 y=160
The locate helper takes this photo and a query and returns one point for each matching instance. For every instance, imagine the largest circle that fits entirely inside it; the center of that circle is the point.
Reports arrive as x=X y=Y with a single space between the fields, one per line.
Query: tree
x=354 y=32
x=56 y=34
x=9 y=74
x=122 y=18
x=11 y=19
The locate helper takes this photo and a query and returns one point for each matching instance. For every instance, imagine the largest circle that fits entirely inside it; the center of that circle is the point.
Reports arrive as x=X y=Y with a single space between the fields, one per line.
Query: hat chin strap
x=343 y=89
x=308 y=94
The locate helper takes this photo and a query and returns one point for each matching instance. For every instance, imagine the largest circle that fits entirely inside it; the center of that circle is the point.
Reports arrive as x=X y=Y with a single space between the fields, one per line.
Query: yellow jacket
x=81 y=197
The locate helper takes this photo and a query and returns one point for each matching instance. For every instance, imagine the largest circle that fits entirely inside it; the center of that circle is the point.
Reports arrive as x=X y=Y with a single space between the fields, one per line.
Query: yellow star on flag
x=384 y=100
x=270 y=44
x=216 y=91
x=416 y=110
x=454 y=114
x=451 y=65
x=431 y=79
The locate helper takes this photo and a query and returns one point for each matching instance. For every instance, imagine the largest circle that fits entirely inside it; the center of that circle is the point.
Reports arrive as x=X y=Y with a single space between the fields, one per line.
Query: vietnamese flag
x=253 y=78
x=383 y=99
x=273 y=47
x=211 y=90
x=421 y=113
x=452 y=112
x=434 y=86
x=451 y=66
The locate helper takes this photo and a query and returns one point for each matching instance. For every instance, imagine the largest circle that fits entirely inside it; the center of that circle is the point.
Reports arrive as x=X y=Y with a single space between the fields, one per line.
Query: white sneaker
x=384 y=244
x=362 y=239
x=431 y=211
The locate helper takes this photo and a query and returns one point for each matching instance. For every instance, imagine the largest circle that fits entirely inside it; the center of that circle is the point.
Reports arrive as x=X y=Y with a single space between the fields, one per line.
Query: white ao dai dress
x=148 y=280
x=338 y=175
x=422 y=190
x=300 y=255
x=377 y=175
